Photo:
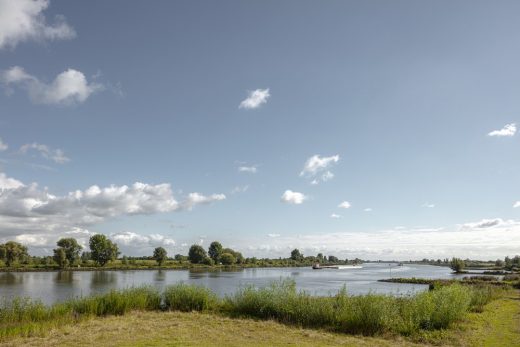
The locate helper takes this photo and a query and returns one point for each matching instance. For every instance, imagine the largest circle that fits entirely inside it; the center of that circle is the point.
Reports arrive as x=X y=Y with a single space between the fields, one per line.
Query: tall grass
x=366 y=314
x=186 y=298
x=117 y=302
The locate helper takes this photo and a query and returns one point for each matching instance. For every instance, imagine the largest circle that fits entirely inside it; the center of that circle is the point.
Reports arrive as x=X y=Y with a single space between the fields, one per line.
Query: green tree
x=160 y=255
x=196 y=254
x=60 y=257
x=215 y=251
x=239 y=258
x=71 y=248
x=12 y=252
x=102 y=249
x=333 y=259
x=296 y=255
x=228 y=259
x=457 y=264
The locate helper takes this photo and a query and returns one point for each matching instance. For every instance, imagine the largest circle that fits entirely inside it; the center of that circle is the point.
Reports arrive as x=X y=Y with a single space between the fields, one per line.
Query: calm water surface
x=51 y=287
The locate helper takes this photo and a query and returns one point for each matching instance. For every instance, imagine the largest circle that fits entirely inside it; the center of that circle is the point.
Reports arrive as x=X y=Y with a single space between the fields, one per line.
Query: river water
x=52 y=287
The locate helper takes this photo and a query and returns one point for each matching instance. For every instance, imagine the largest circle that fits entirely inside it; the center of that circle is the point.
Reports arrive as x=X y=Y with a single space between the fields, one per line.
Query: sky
x=371 y=129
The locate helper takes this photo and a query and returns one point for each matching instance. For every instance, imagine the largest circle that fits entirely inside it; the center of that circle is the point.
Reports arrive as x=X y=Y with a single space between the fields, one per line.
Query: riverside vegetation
x=104 y=253
x=417 y=317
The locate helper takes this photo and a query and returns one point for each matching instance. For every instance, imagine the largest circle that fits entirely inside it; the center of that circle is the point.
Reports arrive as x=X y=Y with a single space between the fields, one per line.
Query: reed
x=186 y=298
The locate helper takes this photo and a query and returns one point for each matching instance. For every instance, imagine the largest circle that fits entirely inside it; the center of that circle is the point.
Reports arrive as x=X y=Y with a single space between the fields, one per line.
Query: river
x=51 y=287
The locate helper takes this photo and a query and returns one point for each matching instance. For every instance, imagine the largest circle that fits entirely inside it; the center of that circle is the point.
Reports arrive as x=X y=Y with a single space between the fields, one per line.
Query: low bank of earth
x=498 y=325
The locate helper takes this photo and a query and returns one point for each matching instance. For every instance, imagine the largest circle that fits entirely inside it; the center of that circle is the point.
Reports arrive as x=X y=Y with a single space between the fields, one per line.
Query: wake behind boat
x=317 y=266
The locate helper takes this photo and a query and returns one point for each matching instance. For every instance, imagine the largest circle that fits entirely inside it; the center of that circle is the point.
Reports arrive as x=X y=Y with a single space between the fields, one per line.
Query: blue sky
x=389 y=104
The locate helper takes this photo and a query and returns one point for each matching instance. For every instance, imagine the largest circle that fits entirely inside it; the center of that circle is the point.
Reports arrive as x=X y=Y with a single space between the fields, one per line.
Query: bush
x=228 y=259
x=186 y=298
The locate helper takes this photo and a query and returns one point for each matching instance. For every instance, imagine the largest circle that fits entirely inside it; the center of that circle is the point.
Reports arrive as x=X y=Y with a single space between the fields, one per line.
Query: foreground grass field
x=497 y=325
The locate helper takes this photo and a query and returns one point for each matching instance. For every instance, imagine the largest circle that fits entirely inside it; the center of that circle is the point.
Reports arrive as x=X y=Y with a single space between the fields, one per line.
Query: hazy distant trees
x=160 y=255
x=296 y=255
x=67 y=252
x=60 y=257
x=196 y=254
x=102 y=249
x=215 y=251
x=457 y=264
x=333 y=259
x=12 y=252
x=228 y=259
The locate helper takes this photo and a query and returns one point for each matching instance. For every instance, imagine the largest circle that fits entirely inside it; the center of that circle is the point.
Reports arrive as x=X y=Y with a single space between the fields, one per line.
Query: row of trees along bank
x=102 y=251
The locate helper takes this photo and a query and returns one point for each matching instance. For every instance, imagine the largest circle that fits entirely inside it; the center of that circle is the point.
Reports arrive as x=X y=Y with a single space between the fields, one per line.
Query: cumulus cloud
x=428 y=205
x=56 y=155
x=507 y=130
x=255 y=99
x=136 y=242
x=316 y=168
x=516 y=204
x=248 y=169
x=345 y=204
x=23 y=20
x=199 y=199
x=27 y=209
x=3 y=146
x=368 y=209
x=336 y=216
x=294 y=198
x=8 y=183
x=68 y=88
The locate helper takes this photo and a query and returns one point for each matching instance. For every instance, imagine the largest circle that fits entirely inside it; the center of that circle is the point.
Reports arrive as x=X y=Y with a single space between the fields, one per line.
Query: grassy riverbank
x=497 y=326
x=417 y=317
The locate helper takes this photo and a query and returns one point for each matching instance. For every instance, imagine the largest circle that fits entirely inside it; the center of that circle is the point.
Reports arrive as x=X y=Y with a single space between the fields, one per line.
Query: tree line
x=102 y=250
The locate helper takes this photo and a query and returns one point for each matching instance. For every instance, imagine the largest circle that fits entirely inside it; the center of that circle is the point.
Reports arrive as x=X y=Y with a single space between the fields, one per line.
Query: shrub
x=228 y=259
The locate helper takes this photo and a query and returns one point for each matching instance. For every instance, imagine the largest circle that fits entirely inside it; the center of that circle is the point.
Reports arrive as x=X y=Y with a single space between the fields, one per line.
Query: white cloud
x=23 y=20
x=493 y=242
x=516 y=204
x=368 y=209
x=27 y=209
x=248 y=169
x=239 y=189
x=3 y=146
x=315 y=165
x=199 y=199
x=255 y=99
x=8 y=183
x=345 y=204
x=294 y=198
x=273 y=235
x=68 y=88
x=428 y=205
x=138 y=243
x=507 y=130
x=56 y=155
x=335 y=216
x=327 y=176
